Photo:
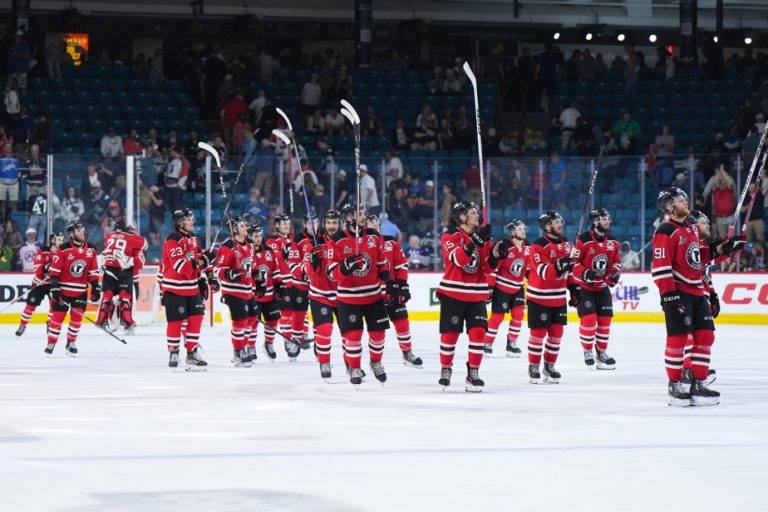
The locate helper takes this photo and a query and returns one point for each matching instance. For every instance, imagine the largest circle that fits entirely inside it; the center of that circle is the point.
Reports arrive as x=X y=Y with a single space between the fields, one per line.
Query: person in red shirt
x=133 y=144
x=40 y=283
x=507 y=292
x=548 y=280
x=677 y=271
x=463 y=290
x=596 y=268
x=74 y=268
x=723 y=200
x=472 y=183
x=397 y=312
x=230 y=113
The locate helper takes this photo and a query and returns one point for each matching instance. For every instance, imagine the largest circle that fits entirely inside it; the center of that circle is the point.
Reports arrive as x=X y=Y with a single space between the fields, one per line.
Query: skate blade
x=550 y=380
x=411 y=365
x=679 y=402
x=445 y=387
x=513 y=355
x=196 y=368
x=292 y=359
x=533 y=381
x=70 y=354
x=242 y=365
x=356 y=387
x=701 y=401
x=601 y=366
x=473 y=389
x=327 y=380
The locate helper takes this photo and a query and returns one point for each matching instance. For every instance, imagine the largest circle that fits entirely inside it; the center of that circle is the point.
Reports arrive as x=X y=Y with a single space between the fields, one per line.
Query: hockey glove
x=734 y=244
x=575 y=295
x=391 y=293
x=349 y=265
x=286 y=252
x=489 y=299
x=405 y=291
x=468 y=248
x=259 y=289
x=481 y=235
x=590 y=276
x=316 y=257
x=213 y=282
x=208 y=257
x=500 y=250
x=714 y=304
x=281 y=291
x=95 y=292
x=563 y=265
x=233 y=275
x=672 y=303
x=613 y=278
x=55 y=290
x=202 y=284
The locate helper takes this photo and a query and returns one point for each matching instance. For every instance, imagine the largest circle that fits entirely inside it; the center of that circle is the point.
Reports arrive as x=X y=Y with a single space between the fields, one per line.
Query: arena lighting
x=588 y=37
x=747 y=40
x=652 y=38
x=714 y=38
x=556 y=36
x=621 y=37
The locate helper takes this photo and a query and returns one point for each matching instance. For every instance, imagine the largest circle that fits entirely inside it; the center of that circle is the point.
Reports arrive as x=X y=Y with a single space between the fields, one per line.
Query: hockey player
x=398 y=312
x=281 y=245
x=74 y=268
x=548 y=278
x=322 y=290
x=359 y=266
x=507 y=292
x=233 y=269
x=463 y=290
x=303 y=244
x=40 y=283
x=269 y=291
x=186 y=283
x=123 y=251
x=677 y=271
x=597 y=267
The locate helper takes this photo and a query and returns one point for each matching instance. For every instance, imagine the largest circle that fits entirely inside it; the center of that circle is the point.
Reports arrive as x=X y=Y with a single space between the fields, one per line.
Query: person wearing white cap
x=368 y=195
x=28 y=251
x=425 y=207
x=342 y=189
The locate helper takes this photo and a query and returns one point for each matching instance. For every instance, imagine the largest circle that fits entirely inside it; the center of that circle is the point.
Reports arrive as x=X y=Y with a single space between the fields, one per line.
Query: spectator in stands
x=627 y=131
x=389 y=228
x=213 y=71
x=567 y=123
x=176 y=178
x=321 y=202
x=9 y=182
x=630 y=260
x=43 y=132
x=6 y=255
x=99 y=204
x=547 y=70
x=424 y=137
x=508 y=144
x=401 y=136
x=132 y=144
x=343 y=189
x=55 y=52
x=369 y=194
x=558 y=180
x=452 y=84
x=257 y=106
x=316 y=122
x=571 y=66
x=537 y=183
x=156 y=213
x=425 y=207
x=220 y=146
x=111 y=145
x=13 y=236
x=732 y=141
x=755 y=224
x=11 y=104
x=335 y=123
x=111 y=217
x=229 y=115
x=343 y=85
x=583 y=140
x=24 y=133
x=665 y=143
x=239 y=130
x=446 y=207
x=37 y=208
x=398 y=208
x=587 y=67
x=249 y=150
x=28 y=251
x=632 y=70
x=471 y=184
x=35 y=168
x=267 y=66
x=445 y=135
x=491 y=142
x=371 y=124
x=156 y=68
x=721 y=186
x=464 y=131
x=757 y=258
x=72 y=207
x=311 y=95
x=6 y=140
x=394 y=167
x=427 y=115
x=414 y=253
x=18 y=60
x=435 y=82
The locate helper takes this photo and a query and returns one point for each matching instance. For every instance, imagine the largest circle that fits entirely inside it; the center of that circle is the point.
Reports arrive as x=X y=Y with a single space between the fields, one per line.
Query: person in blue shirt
x=558 y=176
x=9 y=183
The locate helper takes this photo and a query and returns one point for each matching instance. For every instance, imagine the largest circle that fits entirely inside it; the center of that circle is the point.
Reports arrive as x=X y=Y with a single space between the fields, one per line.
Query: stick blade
x=280 y=135
x=598 y=134
x=346 y=113
x=470 y=73
x=285 y=117
x=347 y=105
x=215 y=154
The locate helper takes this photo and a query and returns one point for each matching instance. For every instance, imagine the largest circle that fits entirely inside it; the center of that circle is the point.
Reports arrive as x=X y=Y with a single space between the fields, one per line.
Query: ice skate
x=325 y=371
x=349 y=369
x=533 y=373
x=551 y=376
x=604 y=361
x=701 y=395
x=445 y=377
x=356 y=377
x=249 y=353
x=711 y=377
x=474 y=384
x=173 y=358
x=687 y=376
x=21 y=330
x=304 y=343
x=270 y=351
x=488 y=348
x=409 y=359
x=679 y=394
x=292 y=349
x=71 y=349
x=195 y=362
x=378 y=371
x=129 y=329
x=49 y=348
x=589 y=359
x=240 y=359
x=513 y=350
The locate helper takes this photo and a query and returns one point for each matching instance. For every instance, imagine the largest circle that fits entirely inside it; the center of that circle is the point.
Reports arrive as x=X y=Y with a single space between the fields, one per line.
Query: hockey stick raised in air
x=473 y=79
x=754 y=194
x=350 y=113
x=746 y=184
x=599 y=136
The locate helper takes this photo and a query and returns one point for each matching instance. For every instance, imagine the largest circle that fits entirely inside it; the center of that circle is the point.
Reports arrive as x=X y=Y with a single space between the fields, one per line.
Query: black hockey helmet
x=461 y=208
x=697 y=215
x=512 y=226
x=255 y=228
x=597 y=214
x=546 y=219
x=180 y=215
x=234 y=221
x=74 y=226
x=667 y=196
x=348 y=212
x=120 y=225
x=54 y=236
x=331 y=215
x=282 y=217
x=311 y=214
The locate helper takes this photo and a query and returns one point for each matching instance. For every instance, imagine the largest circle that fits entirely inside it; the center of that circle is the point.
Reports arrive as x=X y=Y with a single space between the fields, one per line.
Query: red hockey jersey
x=299 y=255
x=42 y=264
x=179 y=271
x=398 y=264
x=466 y=276
x=677 y=259
x=238 y=256
x=76 y=268
x=510 y=275
x=280 y=246
x=602 y=257
x=544 y=287
x=363 y=286
x=266 y=270
x=123 y=250
x=322 y=286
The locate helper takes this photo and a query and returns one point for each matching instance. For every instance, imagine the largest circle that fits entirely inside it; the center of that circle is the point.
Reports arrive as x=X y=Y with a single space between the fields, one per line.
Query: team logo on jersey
x=600 y=263
x=693 y=256
x=473 y=265
x=371 y=242
x=77 y=268
x=609 y=246
x=681 y=241
x=268 y=256
x=246 y=265
x=364 y=266
x=261 y=273
x=347 y=250
x=353 y=318
x=516 y=269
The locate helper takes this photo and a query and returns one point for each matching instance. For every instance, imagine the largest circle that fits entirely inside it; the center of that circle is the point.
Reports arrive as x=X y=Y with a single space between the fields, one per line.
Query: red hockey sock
x=126 y=307
x=26 y=315
x=297 y=324
x=352 y=347
x=192 y=335
x=376 y=345
x=535 y=345
x=269 y=331
x=673 y=356
x=702 y=351
x=447 y=348
x=552 y=346
x=251 y=331
x=173 y=334
x=306 y=327
x=493 y=327
x=285 y=322
x=476 y=343
x=75 y=321
x=238 y=333
x=323 y=334
x=587 y=325
x=55 y=320
x=603 y=332
x=403 y=330
x=687 y=352
x=515 y=323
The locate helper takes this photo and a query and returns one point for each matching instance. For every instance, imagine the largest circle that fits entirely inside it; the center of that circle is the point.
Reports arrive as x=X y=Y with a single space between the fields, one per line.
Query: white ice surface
x=116 y=430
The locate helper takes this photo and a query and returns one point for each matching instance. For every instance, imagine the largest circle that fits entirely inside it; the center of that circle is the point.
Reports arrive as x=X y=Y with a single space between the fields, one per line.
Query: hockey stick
x=288 y=141
x=754 y=195
x=746 y=184
x=599 y=136
x=350 y=113
x=473 y=79
x=121 y=340
x=215 y=154
x=24 y=295
x=637 y=258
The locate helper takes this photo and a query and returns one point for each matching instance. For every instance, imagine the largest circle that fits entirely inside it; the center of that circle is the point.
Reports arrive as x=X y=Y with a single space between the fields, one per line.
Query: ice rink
x=116 y=430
